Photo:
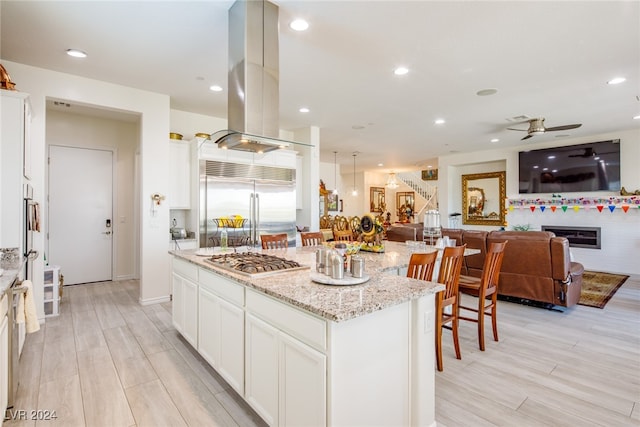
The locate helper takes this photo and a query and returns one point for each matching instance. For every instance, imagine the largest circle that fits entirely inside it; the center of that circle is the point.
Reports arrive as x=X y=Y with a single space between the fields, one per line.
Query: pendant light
x=392 y=183
x=335 y=174
x=355 y=190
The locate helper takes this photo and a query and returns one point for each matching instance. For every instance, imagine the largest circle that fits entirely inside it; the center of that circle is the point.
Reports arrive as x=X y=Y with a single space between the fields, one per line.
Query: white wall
x=77 y=130
x=188 y=124
x=620 y=231
x=153 y=109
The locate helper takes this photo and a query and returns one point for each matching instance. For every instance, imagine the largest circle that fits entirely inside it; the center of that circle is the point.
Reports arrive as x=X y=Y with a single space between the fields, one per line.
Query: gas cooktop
x=254 y=264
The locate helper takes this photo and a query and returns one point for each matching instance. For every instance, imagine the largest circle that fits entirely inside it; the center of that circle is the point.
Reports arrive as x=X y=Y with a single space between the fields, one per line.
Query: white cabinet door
x=190 y=307
x=179 y=175
x=231 y=333
x=221 y=327
x=261 y=368
x=302 y=384
x=177 y=306
x=185 y=308
x=4 y=363
x=209 y=327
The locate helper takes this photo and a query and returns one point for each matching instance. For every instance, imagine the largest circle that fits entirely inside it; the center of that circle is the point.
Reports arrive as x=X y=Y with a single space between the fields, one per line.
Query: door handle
x=106 y=232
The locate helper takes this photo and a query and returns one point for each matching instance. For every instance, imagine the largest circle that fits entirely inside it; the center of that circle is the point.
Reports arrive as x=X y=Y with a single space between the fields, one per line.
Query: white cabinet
x=4 y=354
x=185 y=300
x=51 y=290
x=179 y=175
x=14 y=165
x=285 y=378
x=261 y=369
x=301 y=383
x=221 y=327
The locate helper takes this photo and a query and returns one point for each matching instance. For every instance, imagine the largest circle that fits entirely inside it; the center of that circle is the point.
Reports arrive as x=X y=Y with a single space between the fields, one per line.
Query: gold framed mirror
x=483 y=196
x=405 y=205
x=376 y=199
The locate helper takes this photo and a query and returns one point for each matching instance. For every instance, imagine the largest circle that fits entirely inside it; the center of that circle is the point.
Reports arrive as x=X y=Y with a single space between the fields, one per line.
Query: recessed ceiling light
x=400 y=71
x=357 y=127
x=215 y=88
x=616 y=81
x=76 y=53
x=486 y=92
x=536 y=167
x=636 y=117
x=551 y=157
x=495 y=140
x=439 y=121
x=380 y=164
x=299 y=25
x=304 y=110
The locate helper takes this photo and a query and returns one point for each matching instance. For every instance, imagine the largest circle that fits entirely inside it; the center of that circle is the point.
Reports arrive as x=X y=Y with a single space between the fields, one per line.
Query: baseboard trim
x=157 y=300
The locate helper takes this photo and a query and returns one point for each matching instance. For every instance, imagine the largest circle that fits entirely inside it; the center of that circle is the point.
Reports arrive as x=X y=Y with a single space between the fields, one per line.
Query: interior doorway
x=81 y=213
x=96 y=129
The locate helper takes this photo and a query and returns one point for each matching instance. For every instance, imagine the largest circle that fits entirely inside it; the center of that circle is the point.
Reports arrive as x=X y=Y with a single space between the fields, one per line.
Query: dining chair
x=449 y=276
x=326 y=222
x=340 y=223
x=354 y=226
x=312 y=238
x=421 y=265
x=342 y=236
x=274 y=241
x=484 y=287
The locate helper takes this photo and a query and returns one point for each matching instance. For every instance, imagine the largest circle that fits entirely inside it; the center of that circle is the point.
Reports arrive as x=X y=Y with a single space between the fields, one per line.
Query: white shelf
x=51 y=290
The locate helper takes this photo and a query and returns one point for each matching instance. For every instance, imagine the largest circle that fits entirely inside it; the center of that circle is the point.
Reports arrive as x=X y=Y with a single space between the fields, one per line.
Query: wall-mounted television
x=573 y=168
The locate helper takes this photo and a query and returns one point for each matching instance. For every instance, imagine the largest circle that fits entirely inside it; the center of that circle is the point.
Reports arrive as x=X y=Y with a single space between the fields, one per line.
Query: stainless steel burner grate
x=253 y=263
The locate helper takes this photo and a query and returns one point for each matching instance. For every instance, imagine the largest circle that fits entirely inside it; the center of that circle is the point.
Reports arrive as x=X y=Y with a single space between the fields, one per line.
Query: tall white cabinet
x=179 y=174
x=14 y=165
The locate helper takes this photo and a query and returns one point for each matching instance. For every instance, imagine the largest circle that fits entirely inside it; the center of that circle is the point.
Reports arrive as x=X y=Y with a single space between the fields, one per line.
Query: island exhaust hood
x=253 y=87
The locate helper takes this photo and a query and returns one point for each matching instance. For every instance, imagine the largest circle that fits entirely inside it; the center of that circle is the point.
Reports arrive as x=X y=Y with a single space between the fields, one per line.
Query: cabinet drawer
x=307 y=328
x=185 y=269
x=222 y=287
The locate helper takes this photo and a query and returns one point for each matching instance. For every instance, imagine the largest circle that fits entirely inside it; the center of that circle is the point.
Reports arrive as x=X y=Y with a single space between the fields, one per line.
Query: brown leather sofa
x=404 y=232
x=536 y=264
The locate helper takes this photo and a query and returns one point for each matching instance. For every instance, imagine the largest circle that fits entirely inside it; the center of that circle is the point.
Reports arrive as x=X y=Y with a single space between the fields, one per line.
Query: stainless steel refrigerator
x=245 y=201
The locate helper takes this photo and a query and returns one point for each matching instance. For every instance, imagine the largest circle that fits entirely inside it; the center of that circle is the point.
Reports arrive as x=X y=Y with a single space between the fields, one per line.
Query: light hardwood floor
x=107 y=361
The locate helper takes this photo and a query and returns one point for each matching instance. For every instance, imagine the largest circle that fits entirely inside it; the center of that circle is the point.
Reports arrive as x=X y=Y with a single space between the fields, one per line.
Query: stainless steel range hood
x=253 y=87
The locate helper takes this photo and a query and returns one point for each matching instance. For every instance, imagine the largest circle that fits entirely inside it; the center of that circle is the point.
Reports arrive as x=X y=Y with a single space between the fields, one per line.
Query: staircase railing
x=423 y=189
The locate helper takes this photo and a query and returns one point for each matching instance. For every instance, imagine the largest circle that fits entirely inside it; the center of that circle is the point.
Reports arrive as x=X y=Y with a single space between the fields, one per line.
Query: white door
x=80 y=213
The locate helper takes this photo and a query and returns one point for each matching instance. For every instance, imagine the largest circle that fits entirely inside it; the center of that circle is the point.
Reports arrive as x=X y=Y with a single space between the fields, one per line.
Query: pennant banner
x=612 y=208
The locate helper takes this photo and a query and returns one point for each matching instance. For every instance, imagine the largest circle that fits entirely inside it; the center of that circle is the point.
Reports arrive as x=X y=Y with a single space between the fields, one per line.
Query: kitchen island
x=303 y=353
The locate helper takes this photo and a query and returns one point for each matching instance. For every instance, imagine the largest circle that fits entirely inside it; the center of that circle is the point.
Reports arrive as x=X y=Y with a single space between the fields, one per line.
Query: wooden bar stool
x=421 y=265
x=342 y=235
x=449 y=275
x=482 y=288
x=312 y=238
x=274 y=241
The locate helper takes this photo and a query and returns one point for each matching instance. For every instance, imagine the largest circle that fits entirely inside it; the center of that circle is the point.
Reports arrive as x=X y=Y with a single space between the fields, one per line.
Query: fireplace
x=579 y=237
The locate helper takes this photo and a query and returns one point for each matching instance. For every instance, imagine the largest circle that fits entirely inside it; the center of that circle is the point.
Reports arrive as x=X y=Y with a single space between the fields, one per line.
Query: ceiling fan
x=536 y=127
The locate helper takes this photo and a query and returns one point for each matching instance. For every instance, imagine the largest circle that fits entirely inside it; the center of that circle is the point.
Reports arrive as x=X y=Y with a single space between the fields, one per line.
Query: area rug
x=598 y=288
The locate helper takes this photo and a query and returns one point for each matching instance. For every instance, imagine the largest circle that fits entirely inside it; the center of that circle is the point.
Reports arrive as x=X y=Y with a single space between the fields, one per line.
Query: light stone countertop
x=336 y=303
x=8 y=276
